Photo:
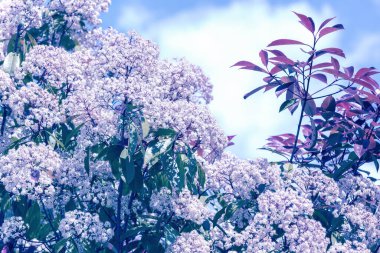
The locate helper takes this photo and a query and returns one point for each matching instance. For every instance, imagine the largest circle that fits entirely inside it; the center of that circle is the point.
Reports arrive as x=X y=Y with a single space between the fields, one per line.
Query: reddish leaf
x=293 y=108
x=264 y=57
x=277 y=52
x=306 y=22
x=275 y=70
x=282 y=59
x=362 y=72
x=282 y=42
x=359 y=150
x=248 y=65
x=372 y=72
x=372 y=98
x=370 y=81
x=328 y=30
x=320 y=77
x=335 y=63
x=268 y=79
x=364 y=84
x=321 y=65
x=335 y=73
x=325 y=23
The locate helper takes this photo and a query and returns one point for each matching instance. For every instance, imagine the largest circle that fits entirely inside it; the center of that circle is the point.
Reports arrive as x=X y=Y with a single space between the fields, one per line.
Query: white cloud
x=134 y=16
x=366 y=50
x=217 y=37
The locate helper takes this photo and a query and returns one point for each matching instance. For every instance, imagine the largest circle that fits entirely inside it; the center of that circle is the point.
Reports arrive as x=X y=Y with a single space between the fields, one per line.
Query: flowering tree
x=108 y=148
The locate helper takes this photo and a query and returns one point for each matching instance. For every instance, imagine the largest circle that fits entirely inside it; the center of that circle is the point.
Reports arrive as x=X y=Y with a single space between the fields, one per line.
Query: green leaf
x=43 y=232
x=87 y=161
x=11 y=44
x=201 y=176
x=71 y=134
x=115 y=167
x=31 y=39
x=128 y=170
x=60 y=245
x=218 y=215
x=181 y=172
x=374 y=159
x=71 y=205
x=166 y=132
x=137 y=182
x=33 y=219
x=287 y=104
x=113 y=152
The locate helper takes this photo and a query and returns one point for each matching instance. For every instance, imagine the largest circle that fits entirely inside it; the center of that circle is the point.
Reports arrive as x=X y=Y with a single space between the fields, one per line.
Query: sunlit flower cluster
x=30 y=170
x=189 y=243
x=86 y=226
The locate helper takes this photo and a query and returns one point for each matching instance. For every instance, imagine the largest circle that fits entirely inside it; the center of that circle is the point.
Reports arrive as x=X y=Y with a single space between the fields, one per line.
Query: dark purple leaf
x=282 y=42
x=254 y=91
x=264 y=57
x=331 y=50
x=310 y=107
x=314 y=136
x=320 y=77
x=306 y=21
x=329 y=104
x=280 y=89
x=349 y=71
x=230 y=137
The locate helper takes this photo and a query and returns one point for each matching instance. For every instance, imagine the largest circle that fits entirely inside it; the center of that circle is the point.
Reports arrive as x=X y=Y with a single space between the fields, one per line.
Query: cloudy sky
x=215 y=34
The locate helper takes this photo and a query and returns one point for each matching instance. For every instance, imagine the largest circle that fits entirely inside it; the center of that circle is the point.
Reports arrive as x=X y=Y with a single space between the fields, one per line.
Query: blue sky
x=217 y=33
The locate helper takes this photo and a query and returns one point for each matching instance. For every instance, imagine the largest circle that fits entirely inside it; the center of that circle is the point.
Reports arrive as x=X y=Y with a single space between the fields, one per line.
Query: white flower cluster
x=85 y=226
x=35 y=108
x=306 y=235
x=315 y=185
x=184 y=205
x=190 y=243
x=193 y=121
x=27 y=13
x=349 y=247
x=13 y=228
x=30 y=170
x=7 y=87
x=284 y=206
x=52 y=66
x=232 y=175
x=81 y=10
x=183 y=81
